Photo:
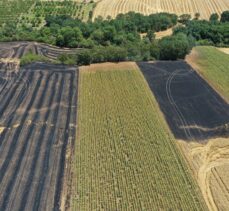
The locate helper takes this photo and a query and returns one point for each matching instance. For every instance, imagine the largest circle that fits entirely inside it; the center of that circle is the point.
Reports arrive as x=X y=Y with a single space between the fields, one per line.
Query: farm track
x=37 y=115
x=198 y=118
x=112 y=8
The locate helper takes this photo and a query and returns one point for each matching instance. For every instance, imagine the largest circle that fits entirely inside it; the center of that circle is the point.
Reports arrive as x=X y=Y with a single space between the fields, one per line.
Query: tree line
x=129 y=36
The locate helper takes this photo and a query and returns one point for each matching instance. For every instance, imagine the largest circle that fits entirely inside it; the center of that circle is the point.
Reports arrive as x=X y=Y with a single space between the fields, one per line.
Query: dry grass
x=165 y=33
x=212 y=65
x=204 y=7
x=210 y=164
x=224 y=50
x=110 y=66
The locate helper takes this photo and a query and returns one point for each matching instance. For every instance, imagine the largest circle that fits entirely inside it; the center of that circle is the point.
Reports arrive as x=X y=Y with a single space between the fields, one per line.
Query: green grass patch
x=30 y=58
x=125 y=156
x=214 y=66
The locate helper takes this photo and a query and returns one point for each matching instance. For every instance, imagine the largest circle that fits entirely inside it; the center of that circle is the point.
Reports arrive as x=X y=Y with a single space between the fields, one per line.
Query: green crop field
x=33 y=12
x=41 y=9
x=10 y=10
x=125 y=156
x=214 y=66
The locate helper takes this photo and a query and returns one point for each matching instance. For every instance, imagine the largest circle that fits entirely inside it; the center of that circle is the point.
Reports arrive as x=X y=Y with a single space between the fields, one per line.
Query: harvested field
x=112 y=8
x=37 y=124
x=199 y=119
x=224 y=50
x=125 y=155
x=213 y=65
x=18 y=49
x=164 y=33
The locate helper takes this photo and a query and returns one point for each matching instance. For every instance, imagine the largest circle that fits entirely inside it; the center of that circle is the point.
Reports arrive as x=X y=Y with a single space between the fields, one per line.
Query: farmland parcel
x=204 y=7
x=37 y=120
x=199 y=119
x=213 y=65
x=125 y=156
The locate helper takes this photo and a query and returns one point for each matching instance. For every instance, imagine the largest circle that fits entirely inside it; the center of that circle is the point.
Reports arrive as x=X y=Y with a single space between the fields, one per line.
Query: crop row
x=39 y=104
x=204 y=7
x=125 y=157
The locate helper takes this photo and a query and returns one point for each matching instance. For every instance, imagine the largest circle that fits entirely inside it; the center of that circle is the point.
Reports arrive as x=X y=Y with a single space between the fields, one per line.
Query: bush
x=67 y=59
x=84 y=58
x=30 y=58
x=174 y=47
x=225 y=16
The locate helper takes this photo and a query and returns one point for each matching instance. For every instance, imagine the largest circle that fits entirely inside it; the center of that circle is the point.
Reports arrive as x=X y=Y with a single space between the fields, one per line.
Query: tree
x=214 y=17
x=174 y=47
x=225 y=16
x=155 y=50
x=150 y=35
x=197 y=16
x=184 y=18
x=84 y=57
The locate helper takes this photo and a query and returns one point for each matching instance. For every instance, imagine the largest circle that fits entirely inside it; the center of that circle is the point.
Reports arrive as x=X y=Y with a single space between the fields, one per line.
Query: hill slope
x=204 y=7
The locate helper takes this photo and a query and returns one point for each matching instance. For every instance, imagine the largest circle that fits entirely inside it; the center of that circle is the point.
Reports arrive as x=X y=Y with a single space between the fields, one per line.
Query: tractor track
x=36 y=114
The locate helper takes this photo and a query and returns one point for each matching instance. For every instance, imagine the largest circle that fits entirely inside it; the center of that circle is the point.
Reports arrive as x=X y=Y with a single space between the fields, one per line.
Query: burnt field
x=18 y=49
x=37 y=122
x=193 y=110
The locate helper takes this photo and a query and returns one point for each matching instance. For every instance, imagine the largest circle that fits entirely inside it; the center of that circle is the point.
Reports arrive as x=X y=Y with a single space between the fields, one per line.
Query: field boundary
x=190 y=60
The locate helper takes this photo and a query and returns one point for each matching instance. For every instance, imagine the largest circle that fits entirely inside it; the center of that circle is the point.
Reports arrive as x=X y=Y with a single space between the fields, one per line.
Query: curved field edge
x=125 y=155
x=212 y=65
x=112 y=8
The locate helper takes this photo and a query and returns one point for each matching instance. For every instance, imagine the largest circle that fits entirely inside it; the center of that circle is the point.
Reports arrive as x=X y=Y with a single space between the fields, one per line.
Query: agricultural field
x=125 y=155
x=199 y=119
x=11 y=10
x=213 y=65
x=33 y=12
x=41 y=9
x=112 y=8
x=37 y=121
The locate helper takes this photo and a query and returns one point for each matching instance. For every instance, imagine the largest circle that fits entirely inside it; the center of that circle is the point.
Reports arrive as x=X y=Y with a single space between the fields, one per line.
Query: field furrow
x=205 y=8
x=35 y=138
x=121 y=139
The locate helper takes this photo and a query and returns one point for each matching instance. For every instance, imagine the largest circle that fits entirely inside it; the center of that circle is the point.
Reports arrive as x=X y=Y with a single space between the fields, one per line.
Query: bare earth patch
x=225 y=50
x=164 y=33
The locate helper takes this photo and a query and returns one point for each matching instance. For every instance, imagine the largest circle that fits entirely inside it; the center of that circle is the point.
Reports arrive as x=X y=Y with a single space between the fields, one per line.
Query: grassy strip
x=30 y=58
x=125 y=155
x=214 y=66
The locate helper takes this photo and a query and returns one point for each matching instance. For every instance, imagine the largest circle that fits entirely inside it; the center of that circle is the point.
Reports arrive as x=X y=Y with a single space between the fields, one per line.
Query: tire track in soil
x=10 y=121
x=63 y=152
x=10 y=153
x=39 y=146
x=58 y=142
x=208 y=156
x=38 y=141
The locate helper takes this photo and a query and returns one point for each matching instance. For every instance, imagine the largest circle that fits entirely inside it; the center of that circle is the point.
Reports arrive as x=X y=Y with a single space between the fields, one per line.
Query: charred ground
x=37 y=122
x=193 y=110
x=18 y=49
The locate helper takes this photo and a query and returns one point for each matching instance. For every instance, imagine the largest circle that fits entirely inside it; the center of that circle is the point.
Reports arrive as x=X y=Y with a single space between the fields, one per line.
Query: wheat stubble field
x=112 y=8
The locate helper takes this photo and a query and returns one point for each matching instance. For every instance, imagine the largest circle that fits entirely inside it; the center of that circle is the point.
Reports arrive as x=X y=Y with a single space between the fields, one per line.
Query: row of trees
x=122 y=38
x=212 y=32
